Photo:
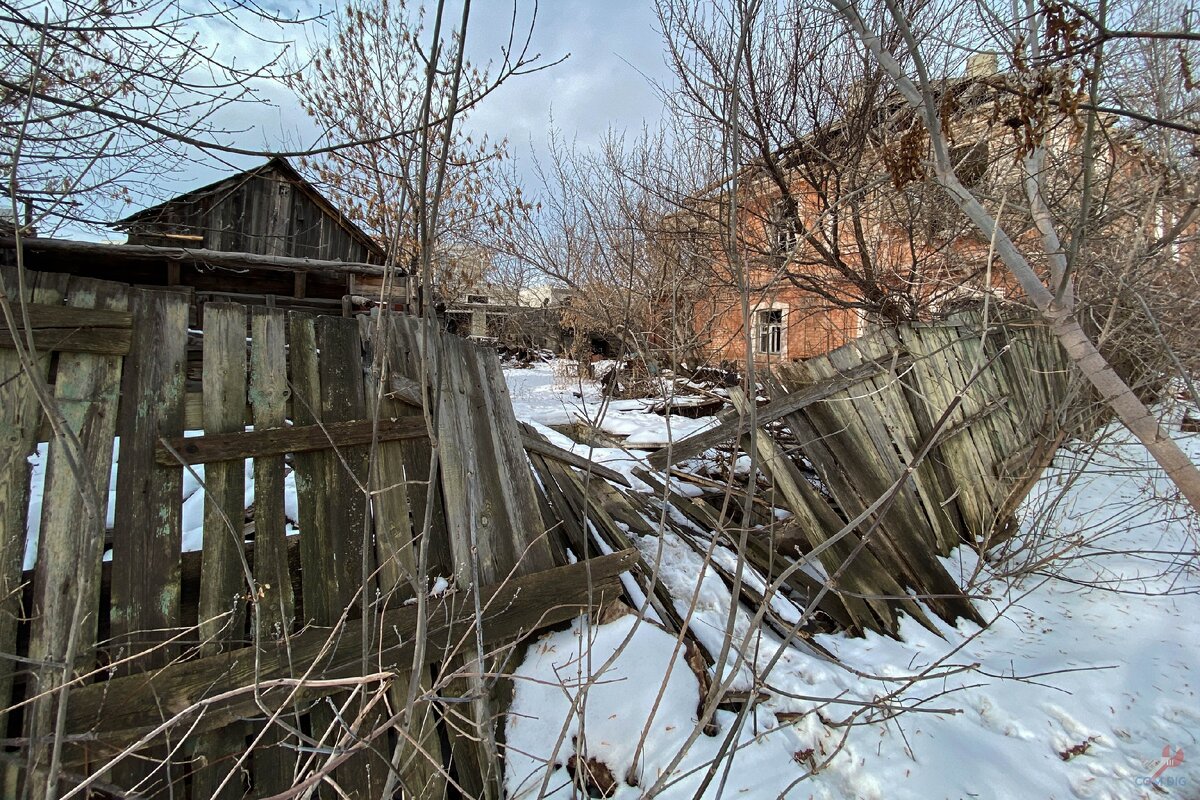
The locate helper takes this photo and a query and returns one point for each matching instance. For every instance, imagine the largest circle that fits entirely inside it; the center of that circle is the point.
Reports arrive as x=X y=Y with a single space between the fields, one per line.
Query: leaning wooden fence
x=896 y=448
x=264 y=661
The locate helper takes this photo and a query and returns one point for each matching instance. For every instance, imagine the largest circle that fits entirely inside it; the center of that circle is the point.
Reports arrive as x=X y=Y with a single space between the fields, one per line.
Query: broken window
x=970 y=162
x=784 y=230
x=770 y=331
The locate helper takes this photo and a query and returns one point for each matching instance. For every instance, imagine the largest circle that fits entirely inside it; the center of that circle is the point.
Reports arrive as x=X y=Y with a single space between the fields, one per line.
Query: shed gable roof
x=285 y=170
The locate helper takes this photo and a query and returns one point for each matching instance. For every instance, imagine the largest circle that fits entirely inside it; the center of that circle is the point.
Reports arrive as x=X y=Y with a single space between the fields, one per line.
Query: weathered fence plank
x=71 y=545
x=224 y=582
x=320 y=569
x=425 y=495
x=145 y=607
x=417 y=757
x=146 y=529
x=932 y=394
x=343 y=399
x=21 y=417
x=274 y=605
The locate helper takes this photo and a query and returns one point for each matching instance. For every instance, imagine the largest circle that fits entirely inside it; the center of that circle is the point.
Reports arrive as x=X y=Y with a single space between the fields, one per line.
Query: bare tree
x=366 y=82
x=817 y=134
x=98 y=102
x=1036 y=36
x=601 y=223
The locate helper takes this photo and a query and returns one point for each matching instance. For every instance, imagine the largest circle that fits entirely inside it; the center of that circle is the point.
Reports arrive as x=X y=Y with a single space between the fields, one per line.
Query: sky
x=613 y=50
x=611 y=55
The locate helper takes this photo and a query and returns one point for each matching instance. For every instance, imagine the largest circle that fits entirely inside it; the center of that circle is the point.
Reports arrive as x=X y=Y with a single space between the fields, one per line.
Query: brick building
x=819 y=270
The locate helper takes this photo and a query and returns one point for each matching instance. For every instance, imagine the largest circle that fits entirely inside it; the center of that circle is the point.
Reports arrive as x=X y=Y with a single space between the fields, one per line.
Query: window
x=480 y=299
x=770 y=331
x=970 y=162
x=783 y=229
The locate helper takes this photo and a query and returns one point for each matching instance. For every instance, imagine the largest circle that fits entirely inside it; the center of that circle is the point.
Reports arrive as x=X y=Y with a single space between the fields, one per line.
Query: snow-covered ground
x=551 y=394
x=1084 y=686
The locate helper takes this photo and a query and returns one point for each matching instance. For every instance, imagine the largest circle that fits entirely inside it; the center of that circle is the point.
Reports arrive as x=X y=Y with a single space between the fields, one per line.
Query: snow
x=1084 y=685
x=192 y=500
x=549 y=395
x=619 y=705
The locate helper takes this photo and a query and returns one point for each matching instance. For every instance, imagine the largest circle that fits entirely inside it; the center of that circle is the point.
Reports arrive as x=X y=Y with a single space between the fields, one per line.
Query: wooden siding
x=265 y=212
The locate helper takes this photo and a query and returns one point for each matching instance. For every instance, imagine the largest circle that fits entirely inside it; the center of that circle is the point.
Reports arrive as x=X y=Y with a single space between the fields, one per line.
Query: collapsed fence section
x=893 y=450
x=357 y=640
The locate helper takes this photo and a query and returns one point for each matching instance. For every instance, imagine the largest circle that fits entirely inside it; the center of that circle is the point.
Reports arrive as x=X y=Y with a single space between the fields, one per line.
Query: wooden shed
x=268 y=210
x=262 y=236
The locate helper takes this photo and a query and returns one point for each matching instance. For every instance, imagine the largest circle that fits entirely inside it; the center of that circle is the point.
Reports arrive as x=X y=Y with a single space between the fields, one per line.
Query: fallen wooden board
x=734 y=425
x=544 y=448
x=119 y=711
x=277 y=441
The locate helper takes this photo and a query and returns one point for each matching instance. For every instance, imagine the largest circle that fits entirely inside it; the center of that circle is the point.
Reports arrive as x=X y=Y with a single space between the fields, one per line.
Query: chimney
x=982 y=65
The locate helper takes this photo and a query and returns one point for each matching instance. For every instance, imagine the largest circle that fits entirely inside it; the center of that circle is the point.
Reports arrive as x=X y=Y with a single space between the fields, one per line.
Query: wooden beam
x=100 y=341
x=199 y=256
x=121 y=710
x=277 y=441
x=45 y=316
x=74 y=330
x=734 y=425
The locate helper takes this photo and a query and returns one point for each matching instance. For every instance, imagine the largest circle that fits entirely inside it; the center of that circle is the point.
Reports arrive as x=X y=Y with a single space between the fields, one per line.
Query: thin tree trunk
x=1080 y=348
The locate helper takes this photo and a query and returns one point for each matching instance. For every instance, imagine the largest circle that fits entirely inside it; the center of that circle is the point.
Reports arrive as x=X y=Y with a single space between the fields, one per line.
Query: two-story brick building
x=820 y=258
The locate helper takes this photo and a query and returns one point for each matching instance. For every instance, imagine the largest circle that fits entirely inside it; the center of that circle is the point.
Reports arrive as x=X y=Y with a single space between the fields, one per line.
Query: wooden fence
x=264 y=661
x=920 y=438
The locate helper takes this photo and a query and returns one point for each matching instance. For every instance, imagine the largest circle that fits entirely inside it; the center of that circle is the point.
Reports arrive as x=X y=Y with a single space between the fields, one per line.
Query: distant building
x=801 y=255
x=530 y=316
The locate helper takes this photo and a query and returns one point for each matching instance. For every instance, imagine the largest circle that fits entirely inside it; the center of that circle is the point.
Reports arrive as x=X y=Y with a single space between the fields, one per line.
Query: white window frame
x=772 y=334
